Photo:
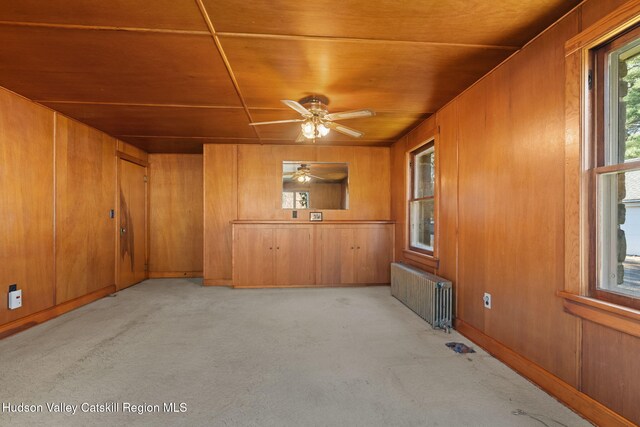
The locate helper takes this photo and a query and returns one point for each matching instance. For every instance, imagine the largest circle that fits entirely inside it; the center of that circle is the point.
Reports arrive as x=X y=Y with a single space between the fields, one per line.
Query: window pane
x=424 y=174
x=422 y=224
x=287 y=200
x=302 y=200
x=624 y=98
x=620 y=232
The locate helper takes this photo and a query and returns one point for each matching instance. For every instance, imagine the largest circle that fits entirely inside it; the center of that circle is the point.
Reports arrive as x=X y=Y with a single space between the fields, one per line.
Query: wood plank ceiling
x=170 y=75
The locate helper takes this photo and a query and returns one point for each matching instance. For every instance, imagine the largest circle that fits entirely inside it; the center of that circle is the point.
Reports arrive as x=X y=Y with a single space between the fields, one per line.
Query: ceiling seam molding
x=363 y=40
x=134 y=104
x=103 y=28
x=227 y=64
x=212 y=107
x=252 y=35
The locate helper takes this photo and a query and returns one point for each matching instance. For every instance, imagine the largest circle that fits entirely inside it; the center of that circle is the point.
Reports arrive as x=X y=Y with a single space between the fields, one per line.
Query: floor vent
x=429 y=296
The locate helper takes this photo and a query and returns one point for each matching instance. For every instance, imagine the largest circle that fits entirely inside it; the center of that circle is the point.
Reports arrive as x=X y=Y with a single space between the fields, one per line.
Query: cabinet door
x=373 y=254
x=294 y=256
x=336 y=249
x=254 y=257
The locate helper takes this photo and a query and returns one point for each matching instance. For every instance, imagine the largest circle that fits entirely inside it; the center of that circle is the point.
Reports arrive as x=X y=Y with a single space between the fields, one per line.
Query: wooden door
x=254 y=254
x=373 y=254
x=336 y=250
x=132 y=224
x=294 y=256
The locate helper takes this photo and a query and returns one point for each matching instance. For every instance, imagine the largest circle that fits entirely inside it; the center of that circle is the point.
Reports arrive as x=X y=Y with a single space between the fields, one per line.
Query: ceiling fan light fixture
x=323 y=130
x=308 y=129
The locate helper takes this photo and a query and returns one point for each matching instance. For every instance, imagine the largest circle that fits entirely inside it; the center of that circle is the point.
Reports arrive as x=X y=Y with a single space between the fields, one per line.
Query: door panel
x=294 y=256
x=373 y=255
x=132 y=250
x=254 y=257
x=336 y=257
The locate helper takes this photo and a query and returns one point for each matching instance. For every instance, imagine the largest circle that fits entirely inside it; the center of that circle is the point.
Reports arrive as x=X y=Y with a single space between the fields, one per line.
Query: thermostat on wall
x=15 y=299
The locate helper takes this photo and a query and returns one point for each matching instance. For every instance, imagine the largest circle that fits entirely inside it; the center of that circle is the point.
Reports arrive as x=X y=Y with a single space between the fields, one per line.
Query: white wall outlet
x=486 y=299
x=15 y=299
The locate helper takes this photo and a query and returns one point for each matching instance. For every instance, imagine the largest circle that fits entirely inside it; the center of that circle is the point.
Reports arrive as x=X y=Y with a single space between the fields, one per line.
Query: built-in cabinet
x=353 y=254
x=269 y=255
x=327 y=254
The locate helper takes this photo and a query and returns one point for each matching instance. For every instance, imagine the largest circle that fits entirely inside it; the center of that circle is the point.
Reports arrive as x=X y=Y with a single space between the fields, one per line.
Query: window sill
x=613 y=316
x=423 y=259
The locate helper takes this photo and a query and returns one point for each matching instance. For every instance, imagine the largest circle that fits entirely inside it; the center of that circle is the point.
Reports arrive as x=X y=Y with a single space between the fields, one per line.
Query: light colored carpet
x=277 y=357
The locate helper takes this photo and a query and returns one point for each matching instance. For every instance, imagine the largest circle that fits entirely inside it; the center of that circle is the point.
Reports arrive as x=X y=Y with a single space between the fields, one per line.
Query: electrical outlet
x=15 y=299
x=486 y=299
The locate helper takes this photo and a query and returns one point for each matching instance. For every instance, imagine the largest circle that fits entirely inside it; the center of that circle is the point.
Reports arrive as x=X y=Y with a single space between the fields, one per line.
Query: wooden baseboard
x=217 y=282
x=586 y=406
x=55 y=311
x=173 y=274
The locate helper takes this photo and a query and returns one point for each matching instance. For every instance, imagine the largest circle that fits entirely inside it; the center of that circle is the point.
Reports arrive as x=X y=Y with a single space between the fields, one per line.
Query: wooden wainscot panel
x=610 y=369
x=589 y=408
x=26 y=203
x=176 y=215
x=220 y=208
x=85 y=199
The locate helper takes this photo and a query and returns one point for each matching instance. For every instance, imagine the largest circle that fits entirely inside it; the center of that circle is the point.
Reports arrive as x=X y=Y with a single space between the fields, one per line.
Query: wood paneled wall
x=26 y=203
x=85 y=195
x=220 y=208
x=501 y=218
x=245 y=182
x=57 y=240
x=260 y=181
x=176 y=215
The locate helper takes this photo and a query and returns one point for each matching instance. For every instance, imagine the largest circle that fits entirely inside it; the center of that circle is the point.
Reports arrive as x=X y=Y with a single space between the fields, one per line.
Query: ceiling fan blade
x=276 y=122
x=344 y=129
x=296 y=106
x=344 y=115
x=317 y=177
x=300 y=137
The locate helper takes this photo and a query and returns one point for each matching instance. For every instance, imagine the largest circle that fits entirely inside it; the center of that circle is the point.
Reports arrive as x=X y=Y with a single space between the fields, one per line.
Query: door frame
x=120 y=155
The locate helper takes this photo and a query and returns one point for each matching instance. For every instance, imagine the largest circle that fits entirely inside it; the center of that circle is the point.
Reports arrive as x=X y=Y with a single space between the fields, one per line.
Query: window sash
x=428 y=194
x=609 y=211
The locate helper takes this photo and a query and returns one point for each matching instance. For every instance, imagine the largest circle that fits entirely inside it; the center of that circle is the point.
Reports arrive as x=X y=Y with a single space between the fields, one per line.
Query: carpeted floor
x=277 y=357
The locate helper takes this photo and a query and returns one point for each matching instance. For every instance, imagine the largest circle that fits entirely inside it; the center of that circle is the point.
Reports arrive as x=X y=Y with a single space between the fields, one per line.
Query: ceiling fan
x=303 y=174
x=316 y=121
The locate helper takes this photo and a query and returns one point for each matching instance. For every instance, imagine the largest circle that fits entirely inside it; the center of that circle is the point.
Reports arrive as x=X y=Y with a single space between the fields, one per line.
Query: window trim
x=412 y=152
x=581 y=159
x=602 y=165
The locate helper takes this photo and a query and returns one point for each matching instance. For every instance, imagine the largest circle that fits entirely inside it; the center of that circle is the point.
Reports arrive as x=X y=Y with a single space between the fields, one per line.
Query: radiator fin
x=429 y=296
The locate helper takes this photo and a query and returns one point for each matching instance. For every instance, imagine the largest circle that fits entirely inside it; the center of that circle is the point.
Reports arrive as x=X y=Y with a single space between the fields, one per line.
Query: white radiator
x=429 y=296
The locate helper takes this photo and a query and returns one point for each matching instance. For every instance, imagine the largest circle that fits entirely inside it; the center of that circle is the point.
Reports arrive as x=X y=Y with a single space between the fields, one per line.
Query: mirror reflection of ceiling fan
x=302 y=174
x=316 y=121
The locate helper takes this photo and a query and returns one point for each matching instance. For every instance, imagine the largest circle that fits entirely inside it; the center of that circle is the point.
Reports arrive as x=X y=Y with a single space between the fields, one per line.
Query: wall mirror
x=315 y=185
